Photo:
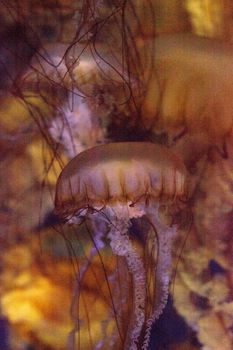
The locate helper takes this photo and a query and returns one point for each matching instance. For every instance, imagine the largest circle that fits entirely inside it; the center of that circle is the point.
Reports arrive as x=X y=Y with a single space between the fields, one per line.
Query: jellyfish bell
x=75 y=65
x=82 y=86
x=113 y=184
x=191 y=87
x=119 y=172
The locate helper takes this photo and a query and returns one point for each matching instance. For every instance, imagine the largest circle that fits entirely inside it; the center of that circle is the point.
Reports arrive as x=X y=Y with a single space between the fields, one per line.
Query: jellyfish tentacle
x=122 y=246
x=99 y=244
x=163 y=241
x=119 y=182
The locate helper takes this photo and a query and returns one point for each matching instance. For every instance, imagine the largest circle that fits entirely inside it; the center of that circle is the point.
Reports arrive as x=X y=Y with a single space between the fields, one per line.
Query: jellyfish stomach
x=77 y=128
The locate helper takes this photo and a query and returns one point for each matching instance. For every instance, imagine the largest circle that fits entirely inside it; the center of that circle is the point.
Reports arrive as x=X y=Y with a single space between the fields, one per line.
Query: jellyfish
x=115 y=184
x=75 y=80
x=190 y=89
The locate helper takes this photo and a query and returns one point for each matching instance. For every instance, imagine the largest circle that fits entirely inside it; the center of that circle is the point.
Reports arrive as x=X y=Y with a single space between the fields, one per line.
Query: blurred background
x=60 y=97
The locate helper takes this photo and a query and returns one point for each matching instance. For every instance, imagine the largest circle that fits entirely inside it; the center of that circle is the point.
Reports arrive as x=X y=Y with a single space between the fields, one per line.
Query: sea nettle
x=125 y=191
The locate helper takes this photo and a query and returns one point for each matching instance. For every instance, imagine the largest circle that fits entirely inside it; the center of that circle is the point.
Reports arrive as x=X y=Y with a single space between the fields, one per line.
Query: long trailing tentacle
x=122 y=246
x=163 y=241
